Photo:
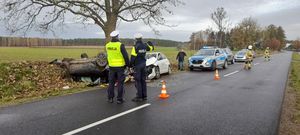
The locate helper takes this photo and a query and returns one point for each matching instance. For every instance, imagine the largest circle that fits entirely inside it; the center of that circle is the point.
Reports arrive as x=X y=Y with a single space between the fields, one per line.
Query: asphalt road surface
x=241 y=103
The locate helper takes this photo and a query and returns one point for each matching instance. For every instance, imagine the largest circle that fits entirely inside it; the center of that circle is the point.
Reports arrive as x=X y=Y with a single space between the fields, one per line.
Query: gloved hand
x=150 y=44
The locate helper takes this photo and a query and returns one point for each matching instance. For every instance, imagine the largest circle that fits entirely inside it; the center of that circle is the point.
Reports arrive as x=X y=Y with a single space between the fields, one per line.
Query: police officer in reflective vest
x=138 y=62
x=117 y=61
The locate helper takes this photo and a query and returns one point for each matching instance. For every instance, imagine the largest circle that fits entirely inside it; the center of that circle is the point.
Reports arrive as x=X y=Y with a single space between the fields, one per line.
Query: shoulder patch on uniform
x=142 y=51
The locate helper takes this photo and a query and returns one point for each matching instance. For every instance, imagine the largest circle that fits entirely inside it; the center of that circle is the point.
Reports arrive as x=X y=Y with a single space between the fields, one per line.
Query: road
x=242 y=102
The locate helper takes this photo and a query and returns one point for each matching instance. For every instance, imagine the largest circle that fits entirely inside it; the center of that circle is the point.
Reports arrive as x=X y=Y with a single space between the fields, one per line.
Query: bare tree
x=23 y=15
x=221 y=19
x=247 y=32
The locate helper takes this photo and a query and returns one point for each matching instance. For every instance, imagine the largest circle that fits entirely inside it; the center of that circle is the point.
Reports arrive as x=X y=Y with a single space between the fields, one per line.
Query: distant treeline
x=34 y=42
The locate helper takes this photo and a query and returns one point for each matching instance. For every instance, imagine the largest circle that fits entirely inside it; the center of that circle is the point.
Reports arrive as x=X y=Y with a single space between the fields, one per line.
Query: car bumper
x=239 y=59
x=150 y=72
x=199 y=66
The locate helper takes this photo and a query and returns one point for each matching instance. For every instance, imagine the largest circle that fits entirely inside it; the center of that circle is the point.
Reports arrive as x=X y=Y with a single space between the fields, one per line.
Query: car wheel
x=157 y=73
x=225 y=64
x=169 y=70
x=213 y=66
x=191 y=69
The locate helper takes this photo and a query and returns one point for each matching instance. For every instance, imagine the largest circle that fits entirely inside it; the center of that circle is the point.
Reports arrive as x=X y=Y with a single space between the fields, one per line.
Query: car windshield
x=206 y=52
x=225 y=51
x=150 y=55
x=241 y=53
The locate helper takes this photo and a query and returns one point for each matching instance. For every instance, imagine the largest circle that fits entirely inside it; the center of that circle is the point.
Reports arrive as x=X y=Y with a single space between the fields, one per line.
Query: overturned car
x=95 y=70
x=85 y=69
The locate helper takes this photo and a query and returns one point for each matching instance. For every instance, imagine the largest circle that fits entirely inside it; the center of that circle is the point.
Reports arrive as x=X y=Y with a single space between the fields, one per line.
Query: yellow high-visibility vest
x=133 y=52
x=114 y=55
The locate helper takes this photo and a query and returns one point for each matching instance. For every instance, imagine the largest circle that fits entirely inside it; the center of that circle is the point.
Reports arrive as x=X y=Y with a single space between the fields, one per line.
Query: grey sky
x=195 y=16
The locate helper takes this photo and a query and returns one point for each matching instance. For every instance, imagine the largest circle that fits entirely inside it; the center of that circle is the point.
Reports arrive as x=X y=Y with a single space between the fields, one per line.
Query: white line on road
x=106 y=120
x=256 y=64
x=231 y=73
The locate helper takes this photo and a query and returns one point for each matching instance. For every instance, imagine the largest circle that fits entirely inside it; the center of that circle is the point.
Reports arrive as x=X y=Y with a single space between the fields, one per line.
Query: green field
x=295 y=82
x=15 y=54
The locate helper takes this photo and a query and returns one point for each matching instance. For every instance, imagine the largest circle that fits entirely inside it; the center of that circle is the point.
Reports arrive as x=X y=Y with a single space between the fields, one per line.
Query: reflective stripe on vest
x=114 y=54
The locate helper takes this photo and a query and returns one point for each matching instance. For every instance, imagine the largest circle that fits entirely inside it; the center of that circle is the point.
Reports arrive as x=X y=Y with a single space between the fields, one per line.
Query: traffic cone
x=217 y=77
x=163 y=94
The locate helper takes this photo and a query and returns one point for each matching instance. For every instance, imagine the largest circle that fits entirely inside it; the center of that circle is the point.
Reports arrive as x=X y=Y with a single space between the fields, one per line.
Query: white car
x=157 y=63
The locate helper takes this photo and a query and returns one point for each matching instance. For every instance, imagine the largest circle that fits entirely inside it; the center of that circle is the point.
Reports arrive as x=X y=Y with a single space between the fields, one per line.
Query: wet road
x=242 y=102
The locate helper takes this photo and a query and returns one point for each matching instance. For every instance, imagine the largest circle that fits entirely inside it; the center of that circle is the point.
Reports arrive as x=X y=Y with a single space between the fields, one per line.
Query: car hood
x=151 y=61
x=240 y=55
x=200 y=57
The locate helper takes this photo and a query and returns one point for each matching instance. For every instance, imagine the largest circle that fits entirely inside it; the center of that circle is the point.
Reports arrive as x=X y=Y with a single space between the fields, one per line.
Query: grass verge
x=26 y=80
x=290 y=117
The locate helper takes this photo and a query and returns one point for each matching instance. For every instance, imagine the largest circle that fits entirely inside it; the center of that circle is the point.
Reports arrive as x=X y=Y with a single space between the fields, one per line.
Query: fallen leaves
x=32 y=79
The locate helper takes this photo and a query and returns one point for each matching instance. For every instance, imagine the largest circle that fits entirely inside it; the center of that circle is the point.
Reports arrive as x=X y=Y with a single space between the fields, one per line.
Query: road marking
x=231 y=73
x=256 y=64
x=106 y=120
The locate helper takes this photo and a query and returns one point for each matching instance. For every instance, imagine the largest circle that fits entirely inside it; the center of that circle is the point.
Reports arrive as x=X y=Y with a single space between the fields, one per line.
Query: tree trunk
x=110 y=26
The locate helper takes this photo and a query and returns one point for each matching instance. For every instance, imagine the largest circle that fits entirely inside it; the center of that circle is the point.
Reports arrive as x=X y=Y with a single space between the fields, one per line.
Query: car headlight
x=207 y=62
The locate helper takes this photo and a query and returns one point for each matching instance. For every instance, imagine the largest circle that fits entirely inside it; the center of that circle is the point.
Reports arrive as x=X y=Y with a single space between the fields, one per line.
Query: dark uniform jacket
x=138 y=53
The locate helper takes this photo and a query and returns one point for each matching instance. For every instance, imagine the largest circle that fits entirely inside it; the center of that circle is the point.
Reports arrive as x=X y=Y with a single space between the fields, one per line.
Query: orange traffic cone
x=217 y=77
x=163 y=94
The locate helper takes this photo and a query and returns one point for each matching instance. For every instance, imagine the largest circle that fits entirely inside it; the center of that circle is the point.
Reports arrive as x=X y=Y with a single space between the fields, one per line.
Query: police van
x=208 y=57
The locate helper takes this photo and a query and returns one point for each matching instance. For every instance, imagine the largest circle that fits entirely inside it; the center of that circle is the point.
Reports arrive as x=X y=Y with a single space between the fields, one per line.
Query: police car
x=209 y=57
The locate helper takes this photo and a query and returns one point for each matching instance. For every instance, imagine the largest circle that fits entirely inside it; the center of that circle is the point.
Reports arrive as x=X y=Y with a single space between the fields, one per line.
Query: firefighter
x=267 y=54
x=249 y=57
x=138 y=63
x=117 y=61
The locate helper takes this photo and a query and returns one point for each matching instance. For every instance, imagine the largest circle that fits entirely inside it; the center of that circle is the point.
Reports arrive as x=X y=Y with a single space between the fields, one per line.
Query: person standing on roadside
x=118 y=60
x=138 y=62
x=180 y=57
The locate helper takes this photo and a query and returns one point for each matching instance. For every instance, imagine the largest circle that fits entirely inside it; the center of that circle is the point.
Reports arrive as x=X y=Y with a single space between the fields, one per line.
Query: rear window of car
x=163 y=56
x=150 y=55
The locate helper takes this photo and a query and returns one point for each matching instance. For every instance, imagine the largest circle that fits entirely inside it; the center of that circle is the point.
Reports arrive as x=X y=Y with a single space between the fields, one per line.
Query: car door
x=160 y=63
x=165 y=63
x=221 y=57
x=217 y=56
x=230 y=54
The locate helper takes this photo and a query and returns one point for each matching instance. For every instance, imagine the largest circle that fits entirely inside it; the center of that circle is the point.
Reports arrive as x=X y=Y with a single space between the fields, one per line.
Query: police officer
x=138 y=62
x=117 y=61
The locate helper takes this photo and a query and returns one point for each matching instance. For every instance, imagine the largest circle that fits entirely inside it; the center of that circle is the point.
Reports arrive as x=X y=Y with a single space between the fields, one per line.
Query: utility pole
x=195 y=41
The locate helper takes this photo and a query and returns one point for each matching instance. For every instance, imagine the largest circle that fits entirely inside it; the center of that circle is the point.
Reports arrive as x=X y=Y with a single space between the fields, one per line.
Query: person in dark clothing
x=138 y=62
x=117 y=61
x=180 y=58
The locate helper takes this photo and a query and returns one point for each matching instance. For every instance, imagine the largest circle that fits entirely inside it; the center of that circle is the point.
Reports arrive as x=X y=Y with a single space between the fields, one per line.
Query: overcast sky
x=193 y=16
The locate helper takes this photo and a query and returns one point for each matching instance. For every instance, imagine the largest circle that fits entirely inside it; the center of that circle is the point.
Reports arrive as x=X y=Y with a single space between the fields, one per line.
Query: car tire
x=213 y=66
x=225 y=64
x=157 y=73
x=191 y=69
